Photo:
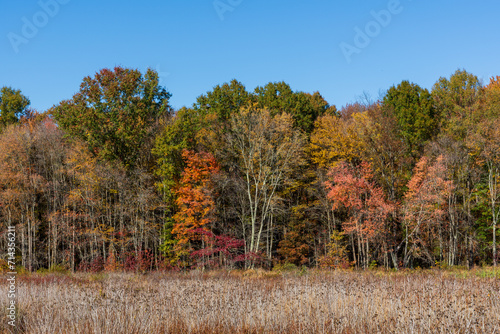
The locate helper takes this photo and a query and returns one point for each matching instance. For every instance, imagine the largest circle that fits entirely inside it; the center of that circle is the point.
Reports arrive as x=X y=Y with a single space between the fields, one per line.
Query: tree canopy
x=414 y=110
x=115 y=179
x=115 y=112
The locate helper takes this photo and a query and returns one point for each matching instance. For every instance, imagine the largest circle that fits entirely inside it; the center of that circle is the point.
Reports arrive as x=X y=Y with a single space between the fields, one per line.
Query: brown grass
x=259 y=302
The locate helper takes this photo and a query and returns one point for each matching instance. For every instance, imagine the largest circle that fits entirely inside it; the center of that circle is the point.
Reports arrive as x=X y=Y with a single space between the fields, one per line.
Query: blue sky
x=195 y=46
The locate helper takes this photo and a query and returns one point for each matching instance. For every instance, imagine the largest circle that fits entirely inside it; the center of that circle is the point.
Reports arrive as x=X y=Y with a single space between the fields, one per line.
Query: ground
x=257 y=301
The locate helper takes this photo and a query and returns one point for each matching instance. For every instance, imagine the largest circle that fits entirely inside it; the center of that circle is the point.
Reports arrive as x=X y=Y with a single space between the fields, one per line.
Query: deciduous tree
x=115 y=113
x=195 y=200
x=425 y=212
x=352 y=189
x=13 y=105
x=266 y=149
x=415 y=114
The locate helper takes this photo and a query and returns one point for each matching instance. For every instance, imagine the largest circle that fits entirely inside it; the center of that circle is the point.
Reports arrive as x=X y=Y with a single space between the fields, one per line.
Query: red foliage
x=353 y=190
x=95 y=266
x=219 y=250
x=141 y=261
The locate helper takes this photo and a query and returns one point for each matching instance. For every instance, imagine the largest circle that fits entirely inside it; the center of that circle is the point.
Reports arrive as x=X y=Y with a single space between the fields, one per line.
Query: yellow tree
x=334 y=139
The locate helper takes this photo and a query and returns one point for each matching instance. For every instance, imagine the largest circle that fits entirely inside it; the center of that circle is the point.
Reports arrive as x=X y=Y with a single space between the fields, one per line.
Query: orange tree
x=194 y=199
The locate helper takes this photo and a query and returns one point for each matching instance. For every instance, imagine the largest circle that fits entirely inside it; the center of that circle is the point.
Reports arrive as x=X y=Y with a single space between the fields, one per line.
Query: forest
x=114 y=178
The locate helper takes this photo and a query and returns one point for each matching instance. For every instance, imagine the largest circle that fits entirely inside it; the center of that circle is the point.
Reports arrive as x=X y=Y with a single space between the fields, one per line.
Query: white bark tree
x=265 y=149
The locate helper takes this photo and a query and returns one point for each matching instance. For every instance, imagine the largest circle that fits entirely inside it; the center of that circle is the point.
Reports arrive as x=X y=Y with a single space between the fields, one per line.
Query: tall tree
x=414 y=111
x=484 y=146
x=195 y=201
x=225 y=101
x=115 y=113
x=383 y=148
x=178 y=134
x=425 y=212
x=367 y=210
x=455 y=100
x=266 y=149
x=490 y=157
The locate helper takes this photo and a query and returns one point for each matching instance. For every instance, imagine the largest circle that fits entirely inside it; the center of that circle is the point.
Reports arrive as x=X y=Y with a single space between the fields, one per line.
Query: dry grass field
x=260 y=302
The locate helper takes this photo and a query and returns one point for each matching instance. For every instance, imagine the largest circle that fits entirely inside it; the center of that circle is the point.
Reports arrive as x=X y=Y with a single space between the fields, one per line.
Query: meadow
x=257 y=301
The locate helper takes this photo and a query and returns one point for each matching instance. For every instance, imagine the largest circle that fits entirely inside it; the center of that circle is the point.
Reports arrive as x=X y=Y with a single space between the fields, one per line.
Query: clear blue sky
x=255 y=42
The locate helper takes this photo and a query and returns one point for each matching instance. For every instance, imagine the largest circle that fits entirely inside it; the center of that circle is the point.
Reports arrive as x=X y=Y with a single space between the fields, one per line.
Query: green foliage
x=54 y=269
x=416 y=116
x=21 y=270
x=178 y=134
x=115 y=113
x=224 y=101
x=491 y=104
x=13 y=105
x=305 y=108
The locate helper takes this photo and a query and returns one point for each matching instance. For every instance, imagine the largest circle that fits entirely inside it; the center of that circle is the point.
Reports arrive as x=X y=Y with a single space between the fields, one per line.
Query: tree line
x=115 y=178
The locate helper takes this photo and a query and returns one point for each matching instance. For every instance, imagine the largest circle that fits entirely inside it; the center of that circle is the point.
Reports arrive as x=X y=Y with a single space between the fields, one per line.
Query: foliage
x=224 y=101
x=425 y=210
x=415 y=113
x=113 y=179
x=296 y=247
x=335 y=139
x=218 y=251
x=455 y=99
x=13 y=105
x=304 y=108
x=115 y=112
x=336 y=256
x=366 y=207
x=194 y=200
x=266 y=150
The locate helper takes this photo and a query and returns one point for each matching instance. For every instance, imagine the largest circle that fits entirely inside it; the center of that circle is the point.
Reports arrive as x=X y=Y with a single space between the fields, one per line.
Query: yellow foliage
x=334 y=140
x=337 y=253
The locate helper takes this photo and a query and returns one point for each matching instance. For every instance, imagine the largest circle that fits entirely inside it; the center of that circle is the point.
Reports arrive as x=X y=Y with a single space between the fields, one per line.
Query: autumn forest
x=115 y=179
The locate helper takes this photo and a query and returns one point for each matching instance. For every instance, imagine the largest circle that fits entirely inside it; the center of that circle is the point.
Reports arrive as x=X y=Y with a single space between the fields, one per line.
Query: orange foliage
x=425 y=207
x=194 y=198
x=353 y=190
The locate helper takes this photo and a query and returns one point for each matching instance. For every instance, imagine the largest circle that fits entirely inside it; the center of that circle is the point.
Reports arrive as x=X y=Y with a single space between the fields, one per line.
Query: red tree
x=366 y=208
